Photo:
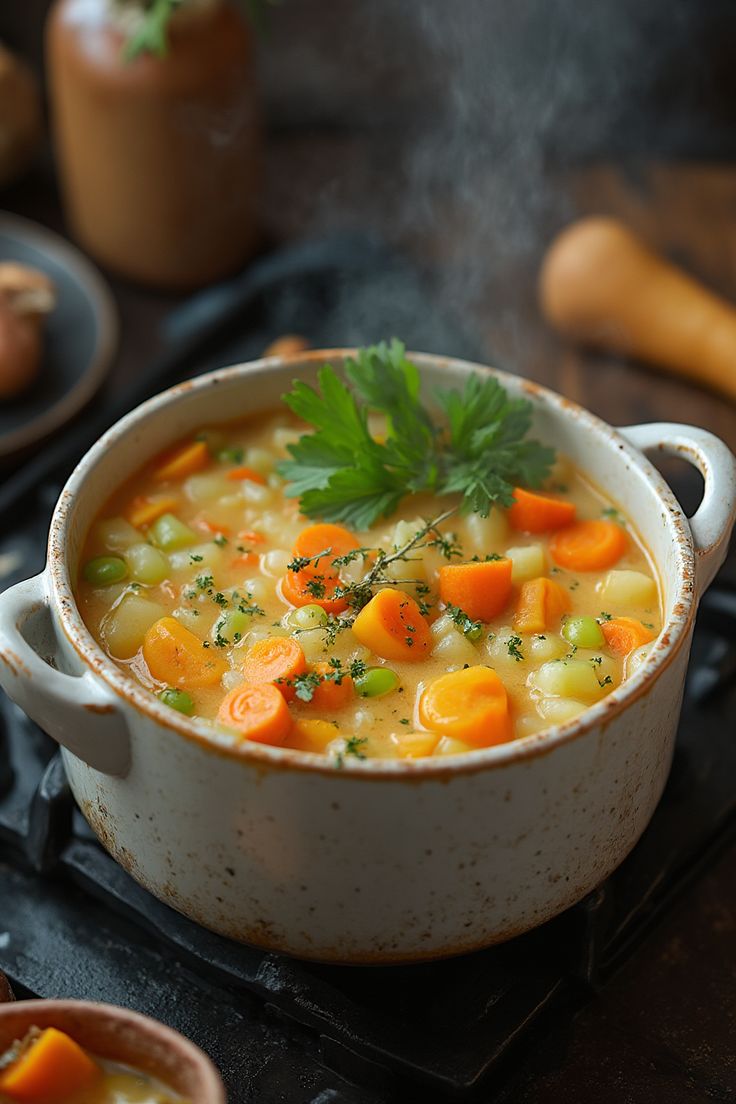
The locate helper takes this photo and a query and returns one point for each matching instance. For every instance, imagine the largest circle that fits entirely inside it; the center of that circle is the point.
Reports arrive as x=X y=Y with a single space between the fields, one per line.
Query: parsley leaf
x=340 y=472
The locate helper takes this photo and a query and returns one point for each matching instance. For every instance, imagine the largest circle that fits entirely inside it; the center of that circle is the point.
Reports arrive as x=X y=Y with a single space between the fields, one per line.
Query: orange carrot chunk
x=469 y=705
x=539 y=513
x=307 y=587
x=318 y=538
x=183 y=461
x=176 y=657
x=542 y=603
x=589 y=545
x=278 y=659
x=624 y=635
x=144 y=511
x=250 y=474
x=480 y=589
x=393 y=627
x=52 y=1068
x=329 y=694
x=258 y=713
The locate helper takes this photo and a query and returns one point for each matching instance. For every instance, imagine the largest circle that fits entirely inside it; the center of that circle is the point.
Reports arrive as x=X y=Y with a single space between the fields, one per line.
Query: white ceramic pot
x=378 y=861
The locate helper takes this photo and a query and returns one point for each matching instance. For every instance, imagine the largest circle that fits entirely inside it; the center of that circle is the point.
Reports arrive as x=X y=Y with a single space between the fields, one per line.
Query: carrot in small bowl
x=393 y=627
x=625 y=634
x=52 y=1068
x=176 y=657
x=480 y=589
x=258 y=713
x=183 y=461
x=542 y=603
x=532 y=512
x=277 y=659
x=589 y=545
x=469 y=705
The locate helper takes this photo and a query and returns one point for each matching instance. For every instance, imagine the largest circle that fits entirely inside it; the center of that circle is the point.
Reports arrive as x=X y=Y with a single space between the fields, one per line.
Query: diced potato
x=636 y=658
x=231 y=679
x=258 y=589
x=313 y=645
x=604 y=665
x=527 y=562
x=116 y=534
x=486 y=534
x=447 y=746
x=455 y=650
x=146 y=564
x=275 y=563
x=559 y=710
x=198 y=559
x=541 y=647
x=530 y=723
x=404 y=531
x=126 y=625
x=206 y=488
x=567 y=678
x=500 y=648
x=260 y=459
x=257 y=494
x=192 y=619
x=442 y=626
x=620 y=590
x=403 y=570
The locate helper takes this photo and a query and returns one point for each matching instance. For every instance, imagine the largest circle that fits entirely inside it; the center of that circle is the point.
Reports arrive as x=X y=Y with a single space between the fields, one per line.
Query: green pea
x=103 y=570
x=168 y=533
x=179 y=700
x=583 y=632
x=311 y=616
x=376 y=682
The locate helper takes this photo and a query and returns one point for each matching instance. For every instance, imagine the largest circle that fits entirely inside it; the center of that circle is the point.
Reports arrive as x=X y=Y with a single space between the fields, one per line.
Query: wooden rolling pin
x=601 y=286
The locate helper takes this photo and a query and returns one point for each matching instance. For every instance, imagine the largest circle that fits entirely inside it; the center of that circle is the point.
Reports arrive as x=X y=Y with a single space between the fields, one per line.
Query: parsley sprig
x=341 y=472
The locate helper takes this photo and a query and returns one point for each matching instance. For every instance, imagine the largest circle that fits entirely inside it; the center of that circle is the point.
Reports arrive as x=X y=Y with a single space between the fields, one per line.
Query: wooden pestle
x=601 y=286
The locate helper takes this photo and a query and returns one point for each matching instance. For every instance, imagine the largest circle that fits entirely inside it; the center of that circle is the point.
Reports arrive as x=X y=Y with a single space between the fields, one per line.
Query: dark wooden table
x=665 y=1028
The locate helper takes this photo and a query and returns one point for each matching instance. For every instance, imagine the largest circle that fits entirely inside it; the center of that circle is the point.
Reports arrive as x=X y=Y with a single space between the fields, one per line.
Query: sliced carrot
x=258 y=713
x=277 y=659
x=624 y=634
x=317 y=538
x=177 y=657
x=393 y=627
x=479 y=589
x=589 y=545
x=143 y=511
x=542 y=603
x=247 y=473
x=52 y=1068
x=307 y=587
x=312 y=734
x=331 y=695
x=539 y=513
x=469 y=705
x=183 y=461
x=250 y=536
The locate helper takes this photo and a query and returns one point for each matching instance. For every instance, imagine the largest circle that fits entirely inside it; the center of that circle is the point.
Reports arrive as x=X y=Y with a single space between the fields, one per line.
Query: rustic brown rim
x=673 y=635
x=112 y=1032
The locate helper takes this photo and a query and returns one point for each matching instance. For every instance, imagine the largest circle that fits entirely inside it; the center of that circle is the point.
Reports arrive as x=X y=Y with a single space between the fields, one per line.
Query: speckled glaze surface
x=379 y=861
x=121 y=1036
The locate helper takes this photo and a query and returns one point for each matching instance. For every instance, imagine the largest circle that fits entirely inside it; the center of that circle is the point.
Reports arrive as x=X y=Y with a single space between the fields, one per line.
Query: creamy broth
x=221 y=576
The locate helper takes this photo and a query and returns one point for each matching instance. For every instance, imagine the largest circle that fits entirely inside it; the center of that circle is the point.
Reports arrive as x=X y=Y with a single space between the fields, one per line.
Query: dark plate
x=80 y=337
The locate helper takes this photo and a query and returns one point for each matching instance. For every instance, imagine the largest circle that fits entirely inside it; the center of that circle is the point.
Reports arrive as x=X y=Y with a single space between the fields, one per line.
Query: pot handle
x=712 y=522
x=78 y=711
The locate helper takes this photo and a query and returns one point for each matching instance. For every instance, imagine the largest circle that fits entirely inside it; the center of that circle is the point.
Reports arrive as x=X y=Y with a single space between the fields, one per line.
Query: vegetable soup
x=49 y=1067
x=334 y=611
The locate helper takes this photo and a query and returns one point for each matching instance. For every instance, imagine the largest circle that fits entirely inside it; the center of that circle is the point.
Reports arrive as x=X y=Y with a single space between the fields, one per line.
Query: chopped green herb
x=472 y=629
x=194 y=557
x=513 y=646
x=220 y=540
x=230 y=456
x=342 y=473
x=604 y=616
